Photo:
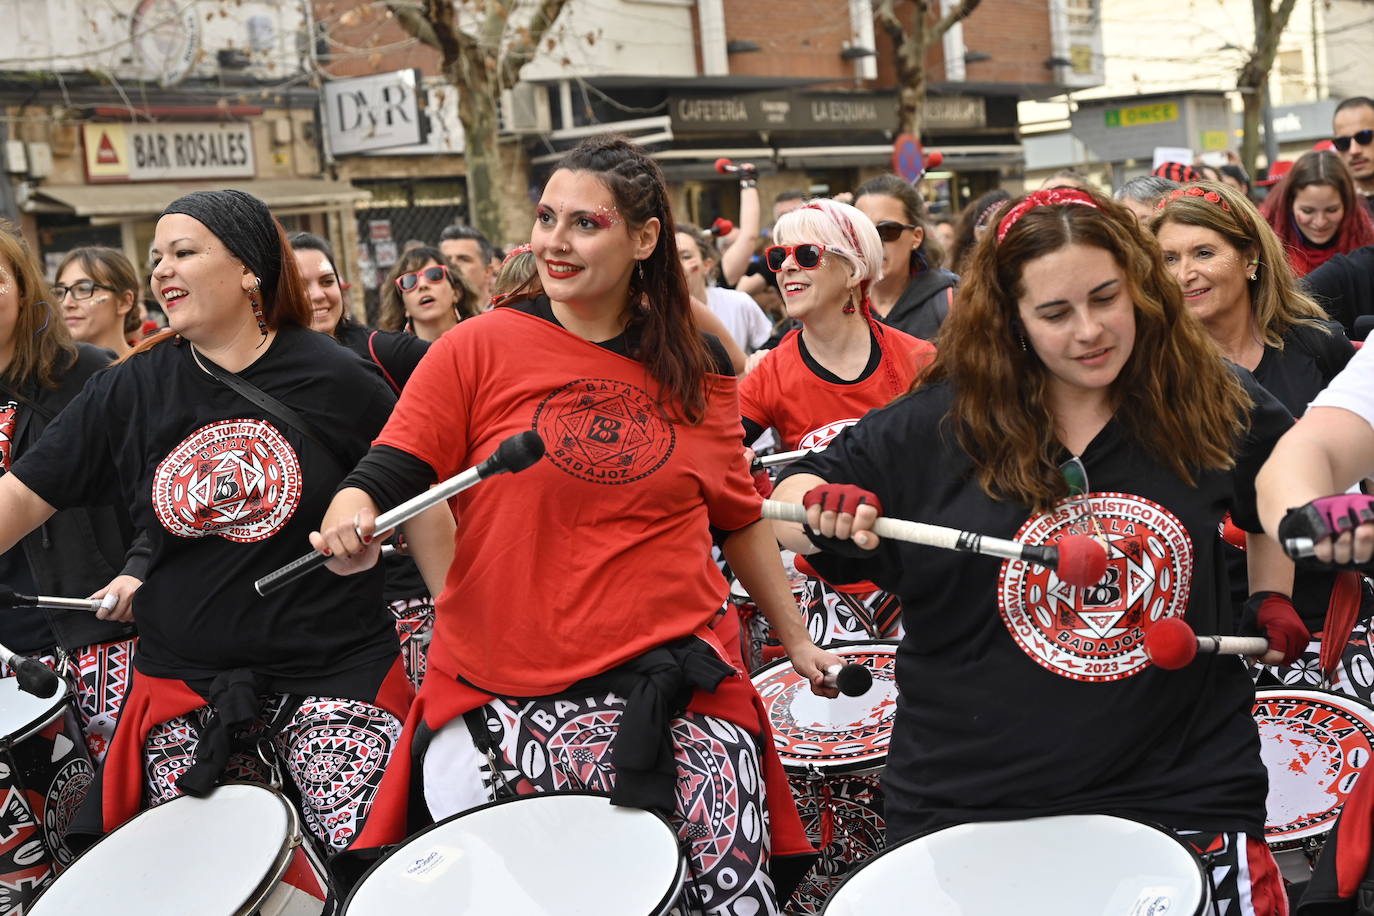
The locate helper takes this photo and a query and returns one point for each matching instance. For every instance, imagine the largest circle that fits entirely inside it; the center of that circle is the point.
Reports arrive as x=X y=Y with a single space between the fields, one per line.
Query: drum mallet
x=778 y=459
x=852 y=680
x=1078 y=559
x=1171 y=644
x=514 y=455
x=10 y=598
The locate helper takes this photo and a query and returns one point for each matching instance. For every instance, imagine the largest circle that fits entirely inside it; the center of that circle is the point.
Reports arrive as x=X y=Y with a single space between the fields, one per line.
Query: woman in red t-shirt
x=839 y=365
x=579 y=585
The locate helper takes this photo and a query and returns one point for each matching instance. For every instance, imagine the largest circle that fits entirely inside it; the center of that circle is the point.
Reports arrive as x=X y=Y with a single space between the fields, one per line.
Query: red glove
x=1273 y=615
x=841 y=498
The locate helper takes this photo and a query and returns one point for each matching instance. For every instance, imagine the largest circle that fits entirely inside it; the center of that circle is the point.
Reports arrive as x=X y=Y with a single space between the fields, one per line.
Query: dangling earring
x=1254 y=270
x=639 y=270
x=849 y=308
x=1024 y=348
x=255 y=301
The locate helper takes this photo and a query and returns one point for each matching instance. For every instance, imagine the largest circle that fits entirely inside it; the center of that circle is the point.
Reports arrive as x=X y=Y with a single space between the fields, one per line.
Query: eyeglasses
x=83 y=289
x=890 y=231
x=1361 y=137
x=1076 y=476
x=808 y=257
x=406 y=282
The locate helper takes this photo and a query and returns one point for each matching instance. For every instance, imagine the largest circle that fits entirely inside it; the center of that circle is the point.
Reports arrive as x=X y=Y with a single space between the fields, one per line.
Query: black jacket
x=1344 y=286
x=923 y=305
x=76 y=551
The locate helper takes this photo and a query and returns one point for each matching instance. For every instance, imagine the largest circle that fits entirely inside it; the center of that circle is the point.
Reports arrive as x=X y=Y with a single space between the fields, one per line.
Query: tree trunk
x=477 y=101
x=1253 y=103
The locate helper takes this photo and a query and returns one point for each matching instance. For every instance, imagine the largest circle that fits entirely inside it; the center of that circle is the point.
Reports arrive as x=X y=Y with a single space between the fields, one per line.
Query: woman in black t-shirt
x=78 y=552
x=239 y=424
x=397 y=355
x=1235 y=277
x=1021 y=696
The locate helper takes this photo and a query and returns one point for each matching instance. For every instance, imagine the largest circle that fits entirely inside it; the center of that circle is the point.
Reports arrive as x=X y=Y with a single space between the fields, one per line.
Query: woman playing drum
x=1070 y=353
x=79 y=551
x=239 y=423
x=581 y=592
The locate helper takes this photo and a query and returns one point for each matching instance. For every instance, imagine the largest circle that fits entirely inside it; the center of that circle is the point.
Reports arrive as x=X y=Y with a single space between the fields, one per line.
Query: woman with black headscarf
x=240 y=423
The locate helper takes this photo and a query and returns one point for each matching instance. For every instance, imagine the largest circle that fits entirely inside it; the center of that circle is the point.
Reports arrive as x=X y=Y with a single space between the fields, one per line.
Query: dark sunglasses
x=1361 y=137
x=406 y=282
x=889 y=231
x=808 y=257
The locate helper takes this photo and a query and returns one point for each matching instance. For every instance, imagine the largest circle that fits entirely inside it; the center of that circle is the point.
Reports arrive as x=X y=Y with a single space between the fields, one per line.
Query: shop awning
x=108 y=202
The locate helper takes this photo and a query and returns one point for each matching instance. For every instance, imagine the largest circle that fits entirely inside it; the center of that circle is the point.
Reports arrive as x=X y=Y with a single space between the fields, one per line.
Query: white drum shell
x=557 y=854
x=22 y=714
x=215 y=856
x=1052 y=866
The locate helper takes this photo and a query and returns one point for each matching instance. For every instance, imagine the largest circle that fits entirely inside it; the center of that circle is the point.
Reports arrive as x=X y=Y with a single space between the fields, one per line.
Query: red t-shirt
x=600 y=551
x=807 y=410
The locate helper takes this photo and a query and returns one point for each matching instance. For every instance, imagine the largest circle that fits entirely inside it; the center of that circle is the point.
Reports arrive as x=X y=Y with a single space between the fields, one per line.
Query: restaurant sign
x=167 y=151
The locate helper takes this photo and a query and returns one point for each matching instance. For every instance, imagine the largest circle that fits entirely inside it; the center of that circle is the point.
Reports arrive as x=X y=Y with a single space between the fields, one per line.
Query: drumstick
x=780 y=458
x=32 y=675
x=1172 y=644
x=852 y=680
x=1079 y=560
x=10 y=598
x=515 y=454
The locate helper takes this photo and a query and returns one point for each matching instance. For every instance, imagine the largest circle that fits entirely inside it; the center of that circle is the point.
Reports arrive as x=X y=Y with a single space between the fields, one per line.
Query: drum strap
x=476 y=721
x=1341 y=613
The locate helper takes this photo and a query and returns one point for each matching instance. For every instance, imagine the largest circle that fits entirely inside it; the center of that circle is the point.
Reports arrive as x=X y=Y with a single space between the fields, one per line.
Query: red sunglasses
x=807 y=256
x=406 y=282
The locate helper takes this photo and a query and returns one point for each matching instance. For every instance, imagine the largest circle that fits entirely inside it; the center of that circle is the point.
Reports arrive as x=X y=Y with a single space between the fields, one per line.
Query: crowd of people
x=566 y=628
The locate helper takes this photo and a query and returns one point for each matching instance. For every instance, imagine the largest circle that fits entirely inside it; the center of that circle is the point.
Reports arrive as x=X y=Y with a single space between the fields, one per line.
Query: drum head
x=21 y=713
x=560 y=854
x=841 y=735
x=1049 y=866
x=1315 y=745
x=209 y=856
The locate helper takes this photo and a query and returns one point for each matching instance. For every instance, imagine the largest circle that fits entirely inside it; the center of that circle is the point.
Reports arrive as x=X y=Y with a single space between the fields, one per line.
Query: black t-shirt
x=1294 y=375
x=395 y=353
x=1344 y=286
x=1021 y=696
x=228 y=494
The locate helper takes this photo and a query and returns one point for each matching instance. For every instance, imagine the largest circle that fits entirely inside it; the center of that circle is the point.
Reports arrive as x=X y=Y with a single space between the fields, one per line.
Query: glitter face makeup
x=1212 y=273
x=6 y=281
x=582 y=245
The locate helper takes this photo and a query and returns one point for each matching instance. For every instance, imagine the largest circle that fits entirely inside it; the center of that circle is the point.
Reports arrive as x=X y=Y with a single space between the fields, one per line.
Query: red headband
x=514 y=252
x=1212 y=197
x=1046 y=198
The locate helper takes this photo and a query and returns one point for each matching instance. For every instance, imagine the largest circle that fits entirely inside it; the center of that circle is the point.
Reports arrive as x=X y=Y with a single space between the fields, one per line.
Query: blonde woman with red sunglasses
x=423 y=297
x=842 y=363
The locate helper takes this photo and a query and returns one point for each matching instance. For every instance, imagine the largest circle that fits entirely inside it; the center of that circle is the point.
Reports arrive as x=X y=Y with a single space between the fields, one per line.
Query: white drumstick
x=1079 y=560
x=779 y=459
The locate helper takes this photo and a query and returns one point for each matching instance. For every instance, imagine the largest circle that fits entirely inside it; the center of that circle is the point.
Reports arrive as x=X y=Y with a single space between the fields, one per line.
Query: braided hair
x=660 y=309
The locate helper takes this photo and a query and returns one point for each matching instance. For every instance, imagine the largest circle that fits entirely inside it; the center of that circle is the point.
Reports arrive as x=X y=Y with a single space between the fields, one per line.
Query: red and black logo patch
x=604 y=430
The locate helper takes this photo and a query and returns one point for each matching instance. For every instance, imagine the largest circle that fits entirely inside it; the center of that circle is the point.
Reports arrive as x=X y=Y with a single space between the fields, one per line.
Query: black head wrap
x=245 y=226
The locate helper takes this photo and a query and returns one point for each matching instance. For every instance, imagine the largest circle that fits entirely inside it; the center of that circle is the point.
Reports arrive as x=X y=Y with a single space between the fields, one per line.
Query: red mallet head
x=1082 y=560
x=725 y=166
x=721 y=227
x=1171 y=643
x=933 y=160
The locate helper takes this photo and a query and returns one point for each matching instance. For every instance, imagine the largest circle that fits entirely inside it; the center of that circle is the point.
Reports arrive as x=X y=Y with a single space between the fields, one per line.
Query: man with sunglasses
x=1352 y=127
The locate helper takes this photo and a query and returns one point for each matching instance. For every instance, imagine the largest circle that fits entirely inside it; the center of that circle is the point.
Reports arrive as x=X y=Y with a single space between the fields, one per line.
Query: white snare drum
x=555 y=854
x=1315 y=744
x=834 y=752
x=1050 y=866
x=236 y=852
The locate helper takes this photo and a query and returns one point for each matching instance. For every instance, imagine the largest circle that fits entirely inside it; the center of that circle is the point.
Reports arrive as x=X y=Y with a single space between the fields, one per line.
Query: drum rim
x=1297 y=841
x=662 y=907
x=854 y=766
x=262 y=891
x=61 y=702
x=1203 y=904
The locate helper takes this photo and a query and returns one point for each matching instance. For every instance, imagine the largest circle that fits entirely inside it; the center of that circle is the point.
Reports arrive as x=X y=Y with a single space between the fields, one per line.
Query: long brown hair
x=1318 y=167
x=392 y=309
x=283 y=304
x=43 y=349
x=1175 y=395
x=1276 y=299
x=660 y=308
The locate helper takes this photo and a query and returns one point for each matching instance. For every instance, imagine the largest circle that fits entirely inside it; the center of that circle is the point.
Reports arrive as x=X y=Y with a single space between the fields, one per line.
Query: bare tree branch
x=523 y=46
x=953 y=18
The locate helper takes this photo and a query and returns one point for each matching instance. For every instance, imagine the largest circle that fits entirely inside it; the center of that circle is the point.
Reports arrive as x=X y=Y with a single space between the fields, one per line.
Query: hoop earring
x=255 y=303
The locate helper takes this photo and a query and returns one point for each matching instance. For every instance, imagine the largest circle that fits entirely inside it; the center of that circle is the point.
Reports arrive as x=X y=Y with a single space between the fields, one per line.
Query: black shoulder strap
x=31 y=404
x=274 y=407
x=1318 y=346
